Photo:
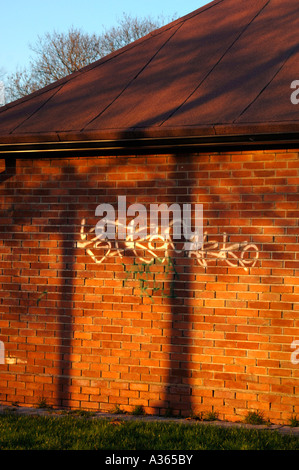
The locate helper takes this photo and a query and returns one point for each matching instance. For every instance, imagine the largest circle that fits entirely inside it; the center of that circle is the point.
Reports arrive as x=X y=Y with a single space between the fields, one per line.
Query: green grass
x=81 y=433
x=255 y=417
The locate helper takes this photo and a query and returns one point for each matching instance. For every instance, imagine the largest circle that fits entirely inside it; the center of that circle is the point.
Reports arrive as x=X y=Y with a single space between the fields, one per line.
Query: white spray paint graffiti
x=225 y=251
x=210 y=249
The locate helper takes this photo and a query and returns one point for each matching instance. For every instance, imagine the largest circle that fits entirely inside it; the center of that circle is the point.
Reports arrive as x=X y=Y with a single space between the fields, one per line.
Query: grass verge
x=73 y=433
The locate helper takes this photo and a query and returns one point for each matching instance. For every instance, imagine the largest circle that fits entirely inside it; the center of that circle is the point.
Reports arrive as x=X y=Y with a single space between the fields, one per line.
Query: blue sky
x=23 y=20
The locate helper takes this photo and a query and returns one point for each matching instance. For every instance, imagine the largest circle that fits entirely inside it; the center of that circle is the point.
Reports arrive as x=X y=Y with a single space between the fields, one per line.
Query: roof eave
x=146 y=144
x=151 y=139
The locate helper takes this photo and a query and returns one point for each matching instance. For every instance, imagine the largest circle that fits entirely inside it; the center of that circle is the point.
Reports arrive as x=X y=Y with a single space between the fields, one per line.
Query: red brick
x=225 y=328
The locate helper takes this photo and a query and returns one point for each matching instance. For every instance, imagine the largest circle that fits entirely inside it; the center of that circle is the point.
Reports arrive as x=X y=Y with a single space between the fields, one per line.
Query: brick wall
x=212 y=332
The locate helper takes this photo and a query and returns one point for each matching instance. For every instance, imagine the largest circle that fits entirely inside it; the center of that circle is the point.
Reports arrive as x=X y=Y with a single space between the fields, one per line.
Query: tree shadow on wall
x=60 y=299
x=53 y=287
x=152 y=293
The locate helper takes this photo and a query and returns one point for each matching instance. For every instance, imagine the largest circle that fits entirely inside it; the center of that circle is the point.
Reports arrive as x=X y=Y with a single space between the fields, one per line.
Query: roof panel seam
x=36 y=110
x=134 y=78
x=293 y=49
x=179 y=22
x=217 y=63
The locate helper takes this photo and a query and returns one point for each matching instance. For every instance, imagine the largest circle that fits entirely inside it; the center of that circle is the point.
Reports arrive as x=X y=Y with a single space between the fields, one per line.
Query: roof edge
x=140 y=133
x=161 y=141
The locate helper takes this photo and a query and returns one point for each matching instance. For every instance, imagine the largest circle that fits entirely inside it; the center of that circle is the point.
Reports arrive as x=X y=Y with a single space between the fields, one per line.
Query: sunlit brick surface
x=219 y=336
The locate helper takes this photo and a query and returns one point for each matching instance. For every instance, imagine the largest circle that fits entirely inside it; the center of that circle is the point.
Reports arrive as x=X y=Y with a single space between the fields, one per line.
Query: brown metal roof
x=224 y=70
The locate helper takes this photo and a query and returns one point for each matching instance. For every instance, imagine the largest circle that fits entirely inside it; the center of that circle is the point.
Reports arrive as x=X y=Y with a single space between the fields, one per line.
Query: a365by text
x=152 y=459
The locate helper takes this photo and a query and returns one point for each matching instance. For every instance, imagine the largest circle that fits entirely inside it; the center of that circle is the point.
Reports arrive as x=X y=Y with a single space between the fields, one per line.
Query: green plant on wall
x=41 y=296
x=148 y=285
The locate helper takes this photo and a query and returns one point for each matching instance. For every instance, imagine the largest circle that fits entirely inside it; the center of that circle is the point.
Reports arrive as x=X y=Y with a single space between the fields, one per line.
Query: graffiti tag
x=157 y=245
